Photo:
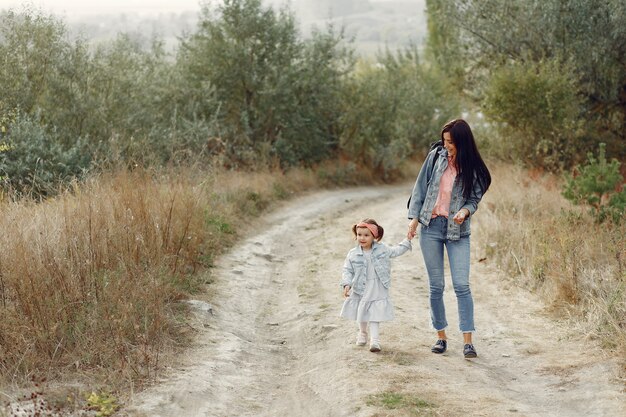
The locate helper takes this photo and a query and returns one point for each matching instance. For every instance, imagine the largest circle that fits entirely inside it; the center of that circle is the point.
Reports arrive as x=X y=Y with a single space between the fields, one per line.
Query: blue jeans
x=432 y=241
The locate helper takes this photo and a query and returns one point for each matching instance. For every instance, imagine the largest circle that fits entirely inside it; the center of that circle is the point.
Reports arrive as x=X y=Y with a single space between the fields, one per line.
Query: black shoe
x=440 y=346
x=469 y=351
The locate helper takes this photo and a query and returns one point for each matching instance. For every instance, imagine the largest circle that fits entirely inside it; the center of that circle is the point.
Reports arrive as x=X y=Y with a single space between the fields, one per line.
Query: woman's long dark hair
x=468 y=160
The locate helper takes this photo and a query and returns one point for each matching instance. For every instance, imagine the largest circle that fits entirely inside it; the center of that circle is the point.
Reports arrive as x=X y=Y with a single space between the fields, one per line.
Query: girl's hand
x=412 y=229
x=346 y=290
x=460 y=217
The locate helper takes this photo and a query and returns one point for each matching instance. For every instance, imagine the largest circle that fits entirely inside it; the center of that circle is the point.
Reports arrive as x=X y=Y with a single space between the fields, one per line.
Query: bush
x=391 y=110
x=599 y=185
x=536 y=108
x=33 y=161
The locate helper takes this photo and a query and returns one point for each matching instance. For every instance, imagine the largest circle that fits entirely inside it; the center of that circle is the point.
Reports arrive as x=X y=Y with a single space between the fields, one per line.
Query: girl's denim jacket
x=355 y=270
x=425 y=193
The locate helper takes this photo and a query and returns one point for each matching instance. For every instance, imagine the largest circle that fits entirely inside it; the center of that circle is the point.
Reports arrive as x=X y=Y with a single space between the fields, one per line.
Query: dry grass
x=556 y=249
x=89 y=281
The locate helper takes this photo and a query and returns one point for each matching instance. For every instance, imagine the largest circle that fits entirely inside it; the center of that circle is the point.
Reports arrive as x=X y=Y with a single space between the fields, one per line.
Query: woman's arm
x=471 y=204
x=418 y=195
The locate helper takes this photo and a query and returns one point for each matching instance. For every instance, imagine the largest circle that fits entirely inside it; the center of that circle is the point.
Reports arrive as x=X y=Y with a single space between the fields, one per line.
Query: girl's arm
x=347 y=274
x=400 y=249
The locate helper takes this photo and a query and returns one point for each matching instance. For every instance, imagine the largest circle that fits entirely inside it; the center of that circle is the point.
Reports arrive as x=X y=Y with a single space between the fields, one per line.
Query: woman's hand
x=460 y=217
x=346 y=290
x=412 y=229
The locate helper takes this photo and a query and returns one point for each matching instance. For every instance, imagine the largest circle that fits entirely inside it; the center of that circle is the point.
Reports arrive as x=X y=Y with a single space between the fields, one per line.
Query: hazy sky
x=77 y=8
x=86 y=7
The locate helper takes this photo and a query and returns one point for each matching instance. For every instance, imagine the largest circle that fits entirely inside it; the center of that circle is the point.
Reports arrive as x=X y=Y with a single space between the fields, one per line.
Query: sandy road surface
x=275 y=345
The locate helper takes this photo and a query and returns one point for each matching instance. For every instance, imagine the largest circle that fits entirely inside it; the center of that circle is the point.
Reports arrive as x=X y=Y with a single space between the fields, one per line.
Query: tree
x=276 y=94
x=537 y=108
x=39 y=126
x=393 y=109
x=587 y=36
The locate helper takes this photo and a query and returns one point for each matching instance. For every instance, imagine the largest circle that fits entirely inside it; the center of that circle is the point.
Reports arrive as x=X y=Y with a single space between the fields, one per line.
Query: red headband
x=373 y=228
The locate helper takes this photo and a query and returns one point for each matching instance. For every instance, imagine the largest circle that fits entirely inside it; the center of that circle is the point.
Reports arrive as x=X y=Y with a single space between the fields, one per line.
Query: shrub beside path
x=275 y=346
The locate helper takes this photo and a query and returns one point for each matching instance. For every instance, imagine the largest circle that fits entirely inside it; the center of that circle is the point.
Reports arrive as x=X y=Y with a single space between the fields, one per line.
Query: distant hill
x=373 y=24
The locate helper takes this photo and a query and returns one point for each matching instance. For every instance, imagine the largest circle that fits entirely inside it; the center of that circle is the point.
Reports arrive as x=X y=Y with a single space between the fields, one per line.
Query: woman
x=445 y=196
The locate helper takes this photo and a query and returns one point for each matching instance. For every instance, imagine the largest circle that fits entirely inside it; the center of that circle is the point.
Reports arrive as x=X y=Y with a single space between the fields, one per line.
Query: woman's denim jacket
x=425 y=193
x=355 y=270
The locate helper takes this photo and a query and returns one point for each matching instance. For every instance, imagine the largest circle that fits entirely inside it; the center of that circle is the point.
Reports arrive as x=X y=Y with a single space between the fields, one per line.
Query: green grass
x=401 y=401
x=219 y=223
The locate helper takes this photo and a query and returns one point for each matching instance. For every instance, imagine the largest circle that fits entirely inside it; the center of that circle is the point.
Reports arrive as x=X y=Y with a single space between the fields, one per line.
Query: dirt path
x=275 y=345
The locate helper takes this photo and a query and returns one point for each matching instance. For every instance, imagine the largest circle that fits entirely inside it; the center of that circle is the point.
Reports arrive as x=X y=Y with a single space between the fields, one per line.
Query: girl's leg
x=363 y=327
x=432 y=239
x=374 y=332
x=459 y=257
x=361 y=338
x=374 y=337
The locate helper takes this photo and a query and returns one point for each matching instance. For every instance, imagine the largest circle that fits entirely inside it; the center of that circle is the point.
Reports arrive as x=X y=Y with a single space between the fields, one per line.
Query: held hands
x=412 y=229
x=346 y=290
x=460 y=217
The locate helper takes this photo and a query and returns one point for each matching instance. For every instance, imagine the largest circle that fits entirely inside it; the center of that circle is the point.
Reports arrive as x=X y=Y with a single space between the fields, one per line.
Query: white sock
x=374 y=331
x=363 y=327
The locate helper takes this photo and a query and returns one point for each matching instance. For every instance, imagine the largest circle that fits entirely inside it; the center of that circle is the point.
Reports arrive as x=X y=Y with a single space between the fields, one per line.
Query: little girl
x=366 y=278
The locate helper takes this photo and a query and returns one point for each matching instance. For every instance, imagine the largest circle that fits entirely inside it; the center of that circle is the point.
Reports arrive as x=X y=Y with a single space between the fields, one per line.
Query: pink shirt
x=442 y=205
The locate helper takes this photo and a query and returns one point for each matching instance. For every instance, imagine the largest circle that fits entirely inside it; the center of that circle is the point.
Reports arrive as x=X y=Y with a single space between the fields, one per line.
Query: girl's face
x=364 y=237
x=449 y=144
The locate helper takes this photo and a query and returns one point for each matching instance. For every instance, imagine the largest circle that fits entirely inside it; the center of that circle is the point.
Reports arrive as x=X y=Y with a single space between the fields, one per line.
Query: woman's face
x=449 y=144
x=364 y=237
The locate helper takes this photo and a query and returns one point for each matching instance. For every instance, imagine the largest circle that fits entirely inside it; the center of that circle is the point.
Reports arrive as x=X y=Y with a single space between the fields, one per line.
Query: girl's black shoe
x=440 y=346
x=469 y=351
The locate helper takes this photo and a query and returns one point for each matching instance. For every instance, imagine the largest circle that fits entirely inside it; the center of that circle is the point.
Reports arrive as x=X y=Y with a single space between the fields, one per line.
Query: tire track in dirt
x=275 y=345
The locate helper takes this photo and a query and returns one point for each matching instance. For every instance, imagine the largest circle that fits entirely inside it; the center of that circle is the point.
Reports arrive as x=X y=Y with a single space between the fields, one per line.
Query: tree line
x=243 y=90
x=246 y=90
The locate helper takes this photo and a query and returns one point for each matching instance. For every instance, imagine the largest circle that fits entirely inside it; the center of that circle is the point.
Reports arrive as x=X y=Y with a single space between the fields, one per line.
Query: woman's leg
x=431 y=243
x=459 y=257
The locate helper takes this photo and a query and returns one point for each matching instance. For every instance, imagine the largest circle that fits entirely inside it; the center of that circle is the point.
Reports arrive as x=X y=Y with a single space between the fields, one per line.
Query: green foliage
x=103 y=404
x=277 y=94
x=34 y=161
x=600 y=185
x=32 y=46
x=244 y=90
x=399 y=401
x=537 y=106
x=145 y=113
x=392 y=109
x=443 y=44
x=117 y=102
x=472 y=40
